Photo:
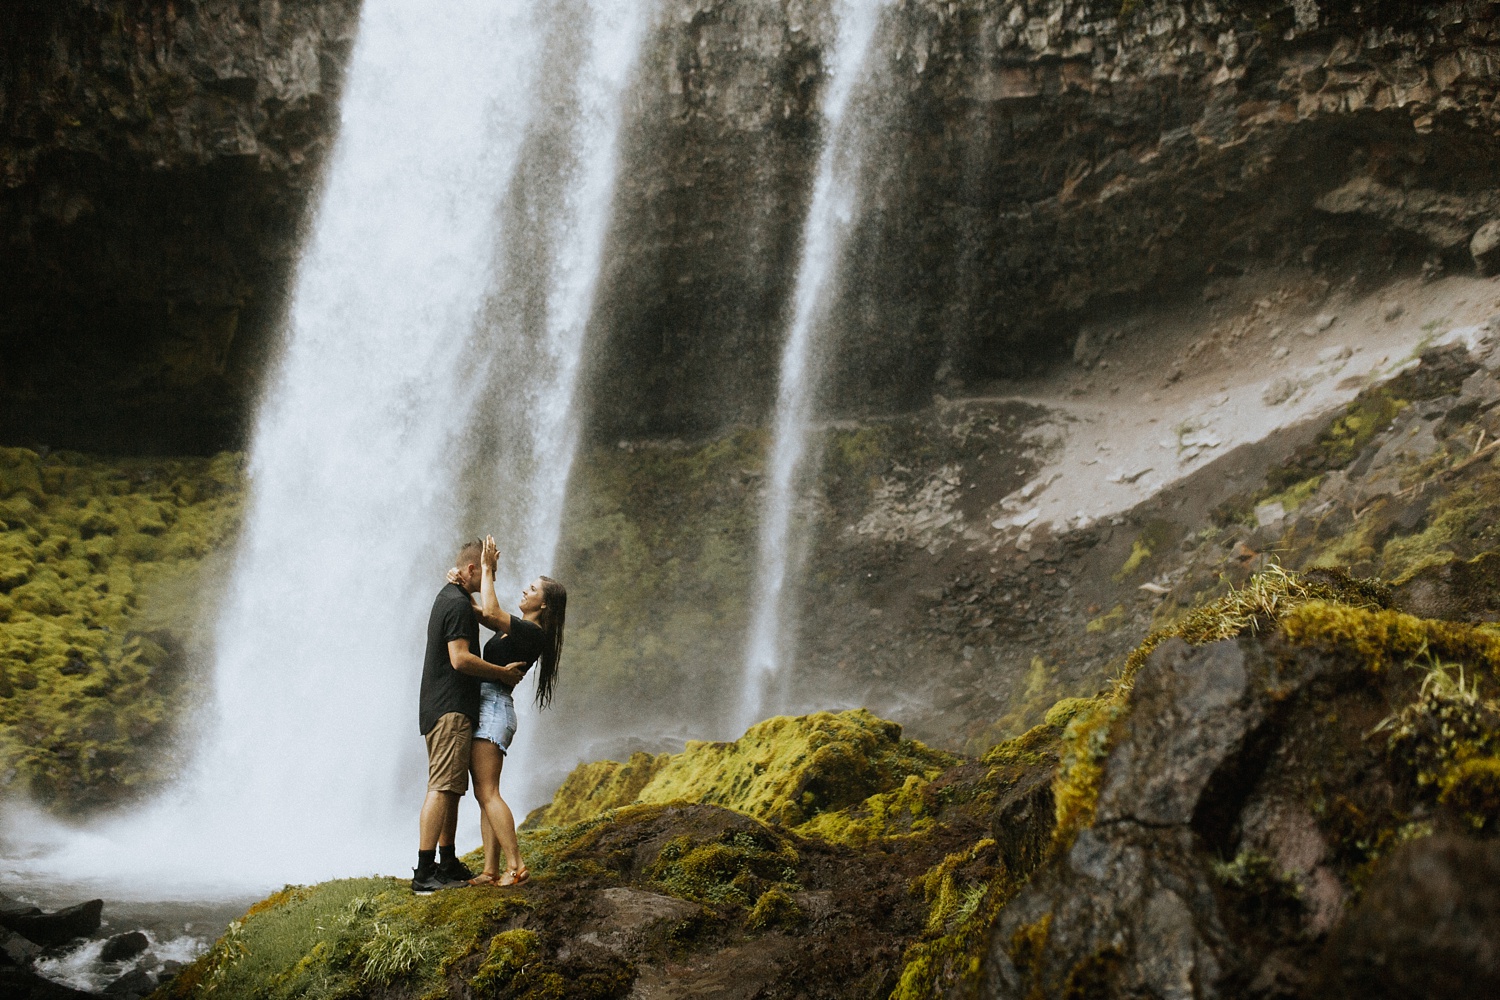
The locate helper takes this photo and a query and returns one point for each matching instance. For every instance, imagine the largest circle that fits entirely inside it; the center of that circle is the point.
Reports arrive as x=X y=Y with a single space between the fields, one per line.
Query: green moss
x=509 y=952
x=965 y=893
x=1075 y=788
x=84 y=543
x=775 y=908
x=1265 y=599
x=1155 y=538
x=1140 y=551
x=1379 y=638
x=1028 y=942
x=737 y=867
x=344 y=939
x=1107 y=622
x=1065 y=710
x=886 y=816
x=1346 y=436
x=592 y=789
x=783 y=770
x=1471 y=790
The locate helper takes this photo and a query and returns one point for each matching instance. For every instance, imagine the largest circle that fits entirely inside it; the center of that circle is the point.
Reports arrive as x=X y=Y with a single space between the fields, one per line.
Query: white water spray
x=823 y=235
x=312 y=766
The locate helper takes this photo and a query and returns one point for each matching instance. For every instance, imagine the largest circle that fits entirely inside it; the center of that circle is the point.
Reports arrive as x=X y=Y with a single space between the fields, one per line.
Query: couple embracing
x=468 y=716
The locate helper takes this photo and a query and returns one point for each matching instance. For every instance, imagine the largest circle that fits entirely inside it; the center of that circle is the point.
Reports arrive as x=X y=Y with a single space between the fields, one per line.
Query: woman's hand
x=453 y=577
x=490 y=555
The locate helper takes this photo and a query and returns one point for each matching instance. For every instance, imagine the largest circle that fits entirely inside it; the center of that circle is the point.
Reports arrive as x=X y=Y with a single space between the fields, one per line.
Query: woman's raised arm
x=491 y=614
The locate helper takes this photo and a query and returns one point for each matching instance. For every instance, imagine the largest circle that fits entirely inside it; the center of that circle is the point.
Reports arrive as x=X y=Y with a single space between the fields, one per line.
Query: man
x=449 y=711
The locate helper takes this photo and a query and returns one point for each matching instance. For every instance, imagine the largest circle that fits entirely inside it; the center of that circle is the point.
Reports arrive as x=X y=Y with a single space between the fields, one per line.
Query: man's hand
x=466 y=662
x=513 y=673
x=490 y=555
x=453 y=577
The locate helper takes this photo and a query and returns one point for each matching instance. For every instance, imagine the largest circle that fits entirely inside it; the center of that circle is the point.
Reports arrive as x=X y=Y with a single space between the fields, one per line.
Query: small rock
x=1331 y=354
x=1268 y=514
x=1485 y=248
x=1281 y=352
x=1243 y=552
x=1394 y=312
x=1278 y=391
x=133 y=983
x=123 y=946
x=16 y=949
x=1320 y=322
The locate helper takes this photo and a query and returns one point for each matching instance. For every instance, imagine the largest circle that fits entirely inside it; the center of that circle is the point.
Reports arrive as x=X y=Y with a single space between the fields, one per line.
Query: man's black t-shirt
x=444 y=689
x=523 y=644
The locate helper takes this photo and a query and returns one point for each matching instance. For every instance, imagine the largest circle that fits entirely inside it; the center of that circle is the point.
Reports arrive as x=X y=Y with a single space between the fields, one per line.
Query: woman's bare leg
x=497 y=823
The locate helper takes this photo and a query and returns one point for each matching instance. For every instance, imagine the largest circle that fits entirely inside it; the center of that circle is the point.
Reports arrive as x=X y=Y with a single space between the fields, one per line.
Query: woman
x=537 y=634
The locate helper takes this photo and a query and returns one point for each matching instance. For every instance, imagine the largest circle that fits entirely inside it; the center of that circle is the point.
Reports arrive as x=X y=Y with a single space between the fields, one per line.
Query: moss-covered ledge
x=100 y=563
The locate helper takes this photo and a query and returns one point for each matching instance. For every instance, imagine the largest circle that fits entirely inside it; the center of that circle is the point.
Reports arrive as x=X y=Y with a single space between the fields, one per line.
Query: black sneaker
x=454 y=871
x=432 y=882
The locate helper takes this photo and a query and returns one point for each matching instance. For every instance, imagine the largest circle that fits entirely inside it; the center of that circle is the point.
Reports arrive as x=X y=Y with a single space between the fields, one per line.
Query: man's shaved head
x=469 y=553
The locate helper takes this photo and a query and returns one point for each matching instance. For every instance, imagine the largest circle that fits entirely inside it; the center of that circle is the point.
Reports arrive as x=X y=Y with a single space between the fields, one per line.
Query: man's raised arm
x=466 y=662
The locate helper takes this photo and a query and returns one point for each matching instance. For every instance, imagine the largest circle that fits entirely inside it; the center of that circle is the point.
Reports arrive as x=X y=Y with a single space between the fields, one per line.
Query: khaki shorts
x=448 y=754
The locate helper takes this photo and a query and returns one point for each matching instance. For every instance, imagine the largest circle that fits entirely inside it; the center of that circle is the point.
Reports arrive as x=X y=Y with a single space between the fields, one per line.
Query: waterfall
x=408 y=406
x=823 y=234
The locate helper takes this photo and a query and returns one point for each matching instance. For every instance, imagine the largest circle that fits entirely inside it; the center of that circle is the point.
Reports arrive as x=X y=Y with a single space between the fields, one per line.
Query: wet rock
x=1131 y=909
x=1189 y=713
x=123 y=946
x=134 y=983
x=1485 y=248
x=50 y=929
x=624 y=917
x=16 y=949
x=1466 y=590
x=1142 y=904
x=1428 y=925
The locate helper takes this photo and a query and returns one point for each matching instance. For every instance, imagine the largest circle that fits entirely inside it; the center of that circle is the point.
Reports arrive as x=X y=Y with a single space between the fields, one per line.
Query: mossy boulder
x=1224 y=804
x=783 y=770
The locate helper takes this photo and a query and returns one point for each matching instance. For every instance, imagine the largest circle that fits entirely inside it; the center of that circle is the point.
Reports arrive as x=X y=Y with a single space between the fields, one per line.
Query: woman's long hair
x=553 y=614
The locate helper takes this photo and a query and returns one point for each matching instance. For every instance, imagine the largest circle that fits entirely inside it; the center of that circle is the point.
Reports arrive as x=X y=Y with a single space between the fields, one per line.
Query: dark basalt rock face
x=1027 y=165
x=1231 y=853
x=157 y=159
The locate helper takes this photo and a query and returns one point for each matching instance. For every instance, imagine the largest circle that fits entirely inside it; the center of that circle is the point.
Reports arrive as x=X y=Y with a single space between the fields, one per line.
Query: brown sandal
x=484 y=878
x=516 y=876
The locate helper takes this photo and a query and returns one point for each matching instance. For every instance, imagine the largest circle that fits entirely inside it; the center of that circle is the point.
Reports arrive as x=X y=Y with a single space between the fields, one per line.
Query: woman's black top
x=523 y=645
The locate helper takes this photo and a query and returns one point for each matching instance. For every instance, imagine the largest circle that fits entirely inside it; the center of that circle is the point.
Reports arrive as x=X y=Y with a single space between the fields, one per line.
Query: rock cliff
x=156 y=164
x=1031 y=165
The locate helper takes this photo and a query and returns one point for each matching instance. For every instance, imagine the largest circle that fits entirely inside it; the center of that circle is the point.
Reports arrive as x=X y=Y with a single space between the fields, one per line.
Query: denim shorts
x=497 y=715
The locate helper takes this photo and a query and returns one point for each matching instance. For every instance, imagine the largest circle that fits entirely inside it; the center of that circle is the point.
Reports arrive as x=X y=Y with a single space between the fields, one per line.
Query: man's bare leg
x=439 y=816
x=498 y=823
x=450 y=824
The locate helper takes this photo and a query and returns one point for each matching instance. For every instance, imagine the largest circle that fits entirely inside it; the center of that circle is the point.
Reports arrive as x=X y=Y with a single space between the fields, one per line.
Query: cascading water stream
x=823 y=237
x=310 y=765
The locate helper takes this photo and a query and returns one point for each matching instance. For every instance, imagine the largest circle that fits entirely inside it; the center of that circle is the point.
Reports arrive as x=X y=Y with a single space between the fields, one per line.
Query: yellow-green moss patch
x=345 y=938
x=784 y=770
x=90 y=665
